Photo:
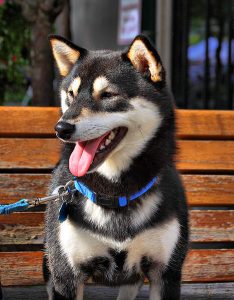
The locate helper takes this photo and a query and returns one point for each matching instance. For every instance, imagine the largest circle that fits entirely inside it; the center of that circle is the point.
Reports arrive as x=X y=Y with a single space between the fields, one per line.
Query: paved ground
x=214 y=291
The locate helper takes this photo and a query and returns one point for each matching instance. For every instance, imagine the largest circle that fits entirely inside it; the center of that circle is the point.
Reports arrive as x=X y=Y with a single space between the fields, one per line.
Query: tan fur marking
x=99 y=85
x=85 y=112
x=64 y=55
x=138 y=52
x=74 y=86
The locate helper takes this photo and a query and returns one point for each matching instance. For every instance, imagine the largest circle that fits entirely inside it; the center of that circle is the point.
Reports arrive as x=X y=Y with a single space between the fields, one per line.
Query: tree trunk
x=41 y=14
x=62 y=23
x=42 y=73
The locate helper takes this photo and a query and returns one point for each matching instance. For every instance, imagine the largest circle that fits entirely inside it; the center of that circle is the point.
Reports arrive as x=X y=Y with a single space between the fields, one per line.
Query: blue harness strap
x=21 y=205
x=121 y=200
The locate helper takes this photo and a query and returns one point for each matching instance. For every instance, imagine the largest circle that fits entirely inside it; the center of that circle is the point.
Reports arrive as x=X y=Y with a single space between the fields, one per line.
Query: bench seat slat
x=24 y=268
x=212 y=225
x=205 y=190
x=16 y=186
x=41 y=121
x=44 y=154
x=206 y=226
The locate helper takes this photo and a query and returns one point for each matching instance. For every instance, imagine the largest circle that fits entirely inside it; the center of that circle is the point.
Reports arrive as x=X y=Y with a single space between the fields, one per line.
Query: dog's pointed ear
x=65 y=53
x=145 y=59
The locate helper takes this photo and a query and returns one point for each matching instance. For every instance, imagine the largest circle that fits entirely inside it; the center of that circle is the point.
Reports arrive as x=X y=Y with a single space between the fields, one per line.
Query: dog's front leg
x=80 y=291
x=129 y=292
x=165 y=286
x=54 y=294
x=155 y=291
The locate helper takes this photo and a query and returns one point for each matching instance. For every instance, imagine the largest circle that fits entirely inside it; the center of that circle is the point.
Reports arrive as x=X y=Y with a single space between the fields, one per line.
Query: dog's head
x=112 y=104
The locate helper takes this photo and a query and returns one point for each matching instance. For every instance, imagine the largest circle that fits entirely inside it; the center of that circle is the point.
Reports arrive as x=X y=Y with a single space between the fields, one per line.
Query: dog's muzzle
x=64 y=130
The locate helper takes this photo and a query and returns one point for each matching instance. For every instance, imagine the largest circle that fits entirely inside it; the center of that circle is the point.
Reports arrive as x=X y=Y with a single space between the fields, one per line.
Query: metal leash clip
x=59 y=194
x=62 y=192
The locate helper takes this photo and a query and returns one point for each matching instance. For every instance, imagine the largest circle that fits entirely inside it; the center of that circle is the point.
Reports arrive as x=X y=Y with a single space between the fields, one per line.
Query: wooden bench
x=29 y=151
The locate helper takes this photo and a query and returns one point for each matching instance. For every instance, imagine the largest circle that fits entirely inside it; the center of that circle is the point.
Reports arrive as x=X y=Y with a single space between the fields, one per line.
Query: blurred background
x=194 y=38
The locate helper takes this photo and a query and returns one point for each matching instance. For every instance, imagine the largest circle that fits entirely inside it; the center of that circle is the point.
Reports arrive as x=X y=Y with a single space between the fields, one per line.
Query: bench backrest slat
x=39 y=121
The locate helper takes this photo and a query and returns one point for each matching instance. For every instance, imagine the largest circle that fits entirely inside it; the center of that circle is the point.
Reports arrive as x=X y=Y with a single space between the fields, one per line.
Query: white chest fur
x=157 y=243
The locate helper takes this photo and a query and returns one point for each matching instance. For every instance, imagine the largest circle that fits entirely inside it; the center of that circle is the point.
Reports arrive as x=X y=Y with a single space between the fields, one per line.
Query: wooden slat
x=209 y=266
x=205 y=225
x=24 y=268
x=28 y=153
x=209 y=189
x=22 y=229
x=29 y=121
x=17 y=186
x=202 y=190
x=44 y=154
x=212 y=225
x=205 y=124
x=41 y=120
x=206 y=156
x=21 y=268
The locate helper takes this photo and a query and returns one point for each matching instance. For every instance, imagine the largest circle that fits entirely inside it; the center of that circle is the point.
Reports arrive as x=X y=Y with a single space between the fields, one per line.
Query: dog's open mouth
x=87 y=155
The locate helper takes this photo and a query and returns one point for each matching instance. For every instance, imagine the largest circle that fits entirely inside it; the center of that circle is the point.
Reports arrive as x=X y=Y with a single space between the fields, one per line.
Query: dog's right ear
x=65 y=53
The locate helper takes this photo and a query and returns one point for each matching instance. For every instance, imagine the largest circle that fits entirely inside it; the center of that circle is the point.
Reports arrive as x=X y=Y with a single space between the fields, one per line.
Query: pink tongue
x=82 y=156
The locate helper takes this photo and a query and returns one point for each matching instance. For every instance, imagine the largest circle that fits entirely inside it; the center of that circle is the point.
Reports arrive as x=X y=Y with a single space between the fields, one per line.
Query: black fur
x=155 y=160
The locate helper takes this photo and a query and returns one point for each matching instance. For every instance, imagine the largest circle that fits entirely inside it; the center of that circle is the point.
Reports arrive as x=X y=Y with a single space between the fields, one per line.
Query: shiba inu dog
x=128 y=221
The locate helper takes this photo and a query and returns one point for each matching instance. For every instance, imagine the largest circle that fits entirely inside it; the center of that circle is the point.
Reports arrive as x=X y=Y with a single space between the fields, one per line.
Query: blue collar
x=111 y=201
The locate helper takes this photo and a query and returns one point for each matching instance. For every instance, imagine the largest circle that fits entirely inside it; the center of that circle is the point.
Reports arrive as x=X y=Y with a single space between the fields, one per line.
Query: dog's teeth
x=111 y=135
x=107 y=142
x=102 y=147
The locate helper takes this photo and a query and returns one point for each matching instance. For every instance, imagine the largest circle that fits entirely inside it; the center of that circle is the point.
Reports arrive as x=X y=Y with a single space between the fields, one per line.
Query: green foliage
x=14 y=53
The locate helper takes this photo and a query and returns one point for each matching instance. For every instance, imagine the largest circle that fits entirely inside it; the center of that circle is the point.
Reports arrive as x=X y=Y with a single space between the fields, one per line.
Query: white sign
x=129 y=20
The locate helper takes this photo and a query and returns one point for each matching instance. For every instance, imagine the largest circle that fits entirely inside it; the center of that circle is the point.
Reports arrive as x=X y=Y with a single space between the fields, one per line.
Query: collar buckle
x=110 y=201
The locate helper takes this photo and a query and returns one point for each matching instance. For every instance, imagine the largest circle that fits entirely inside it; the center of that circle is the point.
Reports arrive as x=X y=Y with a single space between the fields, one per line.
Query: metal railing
x=203 y=54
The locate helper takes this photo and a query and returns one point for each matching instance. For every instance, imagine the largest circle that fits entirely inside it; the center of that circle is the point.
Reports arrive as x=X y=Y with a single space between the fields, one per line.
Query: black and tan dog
x=118 y=129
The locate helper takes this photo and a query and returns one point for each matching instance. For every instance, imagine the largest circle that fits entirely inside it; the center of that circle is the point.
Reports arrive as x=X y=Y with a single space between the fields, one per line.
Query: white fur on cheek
x=142 y=121
x=63 y=95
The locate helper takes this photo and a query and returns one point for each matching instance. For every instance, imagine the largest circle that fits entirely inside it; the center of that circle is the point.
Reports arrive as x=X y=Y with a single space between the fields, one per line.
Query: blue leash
x=21 y=205
x=25 y=204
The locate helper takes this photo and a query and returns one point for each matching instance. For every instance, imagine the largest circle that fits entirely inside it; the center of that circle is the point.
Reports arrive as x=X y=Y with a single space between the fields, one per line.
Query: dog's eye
x=107 y=95
x=70 y=94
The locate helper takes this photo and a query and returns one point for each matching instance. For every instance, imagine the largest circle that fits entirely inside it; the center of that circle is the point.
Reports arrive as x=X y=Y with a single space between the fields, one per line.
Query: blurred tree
x=14 y=54
x=41 y=14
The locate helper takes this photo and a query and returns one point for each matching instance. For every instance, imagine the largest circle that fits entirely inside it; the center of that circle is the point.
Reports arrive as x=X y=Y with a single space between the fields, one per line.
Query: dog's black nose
x=64 y=130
